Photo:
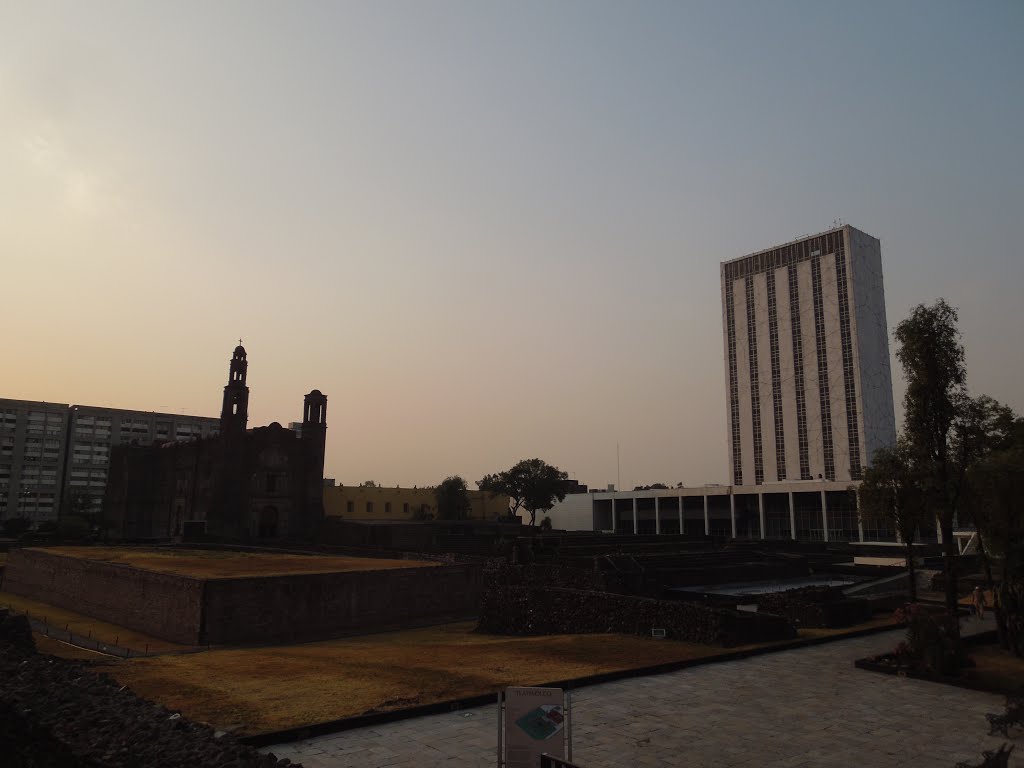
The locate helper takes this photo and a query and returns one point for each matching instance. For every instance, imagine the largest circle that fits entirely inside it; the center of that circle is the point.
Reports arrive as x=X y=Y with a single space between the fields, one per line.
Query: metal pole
x=568 y=712
x=499 y=729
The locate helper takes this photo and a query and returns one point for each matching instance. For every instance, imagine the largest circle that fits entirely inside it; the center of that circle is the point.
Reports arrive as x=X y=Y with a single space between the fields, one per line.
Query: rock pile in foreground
x=59 y=714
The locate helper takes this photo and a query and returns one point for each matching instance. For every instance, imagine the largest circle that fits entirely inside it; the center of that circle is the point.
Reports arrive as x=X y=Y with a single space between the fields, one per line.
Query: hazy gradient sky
x=487 y=231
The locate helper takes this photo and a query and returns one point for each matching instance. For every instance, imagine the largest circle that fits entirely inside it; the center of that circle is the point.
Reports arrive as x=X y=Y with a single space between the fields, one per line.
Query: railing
x=88 y=642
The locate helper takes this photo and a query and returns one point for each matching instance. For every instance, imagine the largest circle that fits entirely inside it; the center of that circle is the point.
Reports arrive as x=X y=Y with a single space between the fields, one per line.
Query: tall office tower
x=807 y=359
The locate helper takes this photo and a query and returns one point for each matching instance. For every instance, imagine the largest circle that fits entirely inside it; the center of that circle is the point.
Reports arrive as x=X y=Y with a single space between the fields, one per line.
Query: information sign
x=535 y=720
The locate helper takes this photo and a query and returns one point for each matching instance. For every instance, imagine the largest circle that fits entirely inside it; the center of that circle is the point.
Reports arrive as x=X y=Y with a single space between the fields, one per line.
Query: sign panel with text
x=534 y=724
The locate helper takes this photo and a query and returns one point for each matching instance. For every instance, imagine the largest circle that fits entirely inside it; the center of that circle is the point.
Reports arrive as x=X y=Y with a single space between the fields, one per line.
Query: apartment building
x=54 y=452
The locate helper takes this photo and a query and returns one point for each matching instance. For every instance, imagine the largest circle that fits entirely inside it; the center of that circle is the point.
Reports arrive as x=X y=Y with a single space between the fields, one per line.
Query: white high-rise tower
x=809 y=386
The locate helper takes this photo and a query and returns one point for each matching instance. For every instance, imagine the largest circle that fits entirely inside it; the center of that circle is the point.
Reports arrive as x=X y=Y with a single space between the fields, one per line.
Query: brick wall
x=309 y=606
x=158 y=604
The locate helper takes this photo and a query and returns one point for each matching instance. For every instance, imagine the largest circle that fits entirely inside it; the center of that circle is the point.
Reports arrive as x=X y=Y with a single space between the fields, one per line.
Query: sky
x=486 y=231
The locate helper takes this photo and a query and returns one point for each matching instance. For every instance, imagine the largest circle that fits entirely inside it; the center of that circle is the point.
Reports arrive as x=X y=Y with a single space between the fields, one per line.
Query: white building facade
x=809 y=386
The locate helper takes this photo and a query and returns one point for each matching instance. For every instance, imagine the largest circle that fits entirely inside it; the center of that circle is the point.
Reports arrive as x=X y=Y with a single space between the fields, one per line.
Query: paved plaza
x=807 y=707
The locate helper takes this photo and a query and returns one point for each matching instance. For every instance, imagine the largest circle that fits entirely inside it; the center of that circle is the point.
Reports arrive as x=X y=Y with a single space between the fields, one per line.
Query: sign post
x=536 y=721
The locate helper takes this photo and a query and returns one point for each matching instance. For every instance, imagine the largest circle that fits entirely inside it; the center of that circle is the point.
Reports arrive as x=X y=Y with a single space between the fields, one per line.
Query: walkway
x=793 y=709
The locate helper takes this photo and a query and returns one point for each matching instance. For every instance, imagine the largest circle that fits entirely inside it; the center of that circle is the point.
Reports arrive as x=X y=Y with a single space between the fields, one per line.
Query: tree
x=997 y=484
x=983 y=425
x=933 y=363
x=452 y=499
x=893 y=491
x=532 y=485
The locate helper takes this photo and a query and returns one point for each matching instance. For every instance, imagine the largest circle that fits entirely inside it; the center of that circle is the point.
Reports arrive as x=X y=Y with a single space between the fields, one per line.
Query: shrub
x=73 y=527
x=933 y=639
x=16 y=526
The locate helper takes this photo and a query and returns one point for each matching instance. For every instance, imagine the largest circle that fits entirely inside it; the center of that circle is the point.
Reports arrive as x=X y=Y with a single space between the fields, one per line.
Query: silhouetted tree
x=15 y=526
x=997 y=485
x=893 y=491
x=532 y=485
x=452 y=499
x=933 y=363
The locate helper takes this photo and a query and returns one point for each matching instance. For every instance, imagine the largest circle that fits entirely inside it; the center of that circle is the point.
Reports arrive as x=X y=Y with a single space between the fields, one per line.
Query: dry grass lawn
x=213 y=564
x=996 y=669
x=264 y=689
x=85 y=625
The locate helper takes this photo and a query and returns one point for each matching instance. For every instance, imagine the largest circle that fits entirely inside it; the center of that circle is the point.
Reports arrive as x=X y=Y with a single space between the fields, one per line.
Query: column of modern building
x=826 y=513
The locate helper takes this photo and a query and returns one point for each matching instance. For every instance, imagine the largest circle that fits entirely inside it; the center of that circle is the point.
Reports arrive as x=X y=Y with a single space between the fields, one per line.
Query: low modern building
x=801 y=511
x=372 y=502
x=54 y=453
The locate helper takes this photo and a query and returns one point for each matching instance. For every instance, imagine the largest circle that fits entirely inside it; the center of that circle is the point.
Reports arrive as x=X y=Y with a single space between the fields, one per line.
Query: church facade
x=261 y=483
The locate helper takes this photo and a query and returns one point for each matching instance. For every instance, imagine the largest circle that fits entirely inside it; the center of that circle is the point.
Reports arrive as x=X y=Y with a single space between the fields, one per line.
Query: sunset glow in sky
x=487 y=231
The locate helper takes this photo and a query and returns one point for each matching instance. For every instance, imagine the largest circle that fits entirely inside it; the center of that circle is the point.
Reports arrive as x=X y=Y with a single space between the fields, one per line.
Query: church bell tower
x=234 y=413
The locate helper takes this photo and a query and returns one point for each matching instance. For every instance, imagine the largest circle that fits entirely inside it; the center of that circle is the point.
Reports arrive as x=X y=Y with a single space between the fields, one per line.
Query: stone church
x=261 y=483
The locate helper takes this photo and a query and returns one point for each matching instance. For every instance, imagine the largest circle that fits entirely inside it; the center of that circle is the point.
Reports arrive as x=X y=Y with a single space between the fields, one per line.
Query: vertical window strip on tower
x=734 y=395
x=846 y=338
x=773 y=343
x=798 y=374
x=822 y=354
x=755 y=388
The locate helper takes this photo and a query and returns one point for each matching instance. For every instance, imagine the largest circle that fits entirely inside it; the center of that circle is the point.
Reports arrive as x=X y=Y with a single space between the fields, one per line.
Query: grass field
x=215 y=564
x=262 y=689
x=85 y=625
x=996 y=669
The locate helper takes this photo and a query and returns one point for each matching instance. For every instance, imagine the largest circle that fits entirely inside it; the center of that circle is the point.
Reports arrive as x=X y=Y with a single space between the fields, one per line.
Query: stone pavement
x=793 y=709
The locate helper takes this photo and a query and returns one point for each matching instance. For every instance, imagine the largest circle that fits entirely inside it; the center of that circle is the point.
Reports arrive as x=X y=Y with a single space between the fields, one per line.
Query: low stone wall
x=310 y=606
x=513 y=610
x=58 y=714
x=817 y=607
x=159 y=604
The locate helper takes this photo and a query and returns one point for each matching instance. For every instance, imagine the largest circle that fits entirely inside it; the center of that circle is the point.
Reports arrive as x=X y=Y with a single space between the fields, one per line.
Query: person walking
x=979 y=602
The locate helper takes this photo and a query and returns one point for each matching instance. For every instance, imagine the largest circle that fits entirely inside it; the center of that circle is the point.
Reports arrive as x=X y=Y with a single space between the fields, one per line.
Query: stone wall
x=552 y=610
x=159 y=604
x=56 y=713
x=817 y=607
x=309 y=606
x=246 y=610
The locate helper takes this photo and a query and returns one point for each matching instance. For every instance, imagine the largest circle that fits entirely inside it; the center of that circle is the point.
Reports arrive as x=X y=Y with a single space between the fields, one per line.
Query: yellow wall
x=350 y=502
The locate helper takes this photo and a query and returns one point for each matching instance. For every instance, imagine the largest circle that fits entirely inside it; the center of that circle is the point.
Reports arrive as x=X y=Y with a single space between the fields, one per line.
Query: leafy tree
x=653 y=487
x=933 y=364
x=982 y=425
x=452 y=499
x=997 y=483
x=532 y=485
x=15 y=526
x=893 y=491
